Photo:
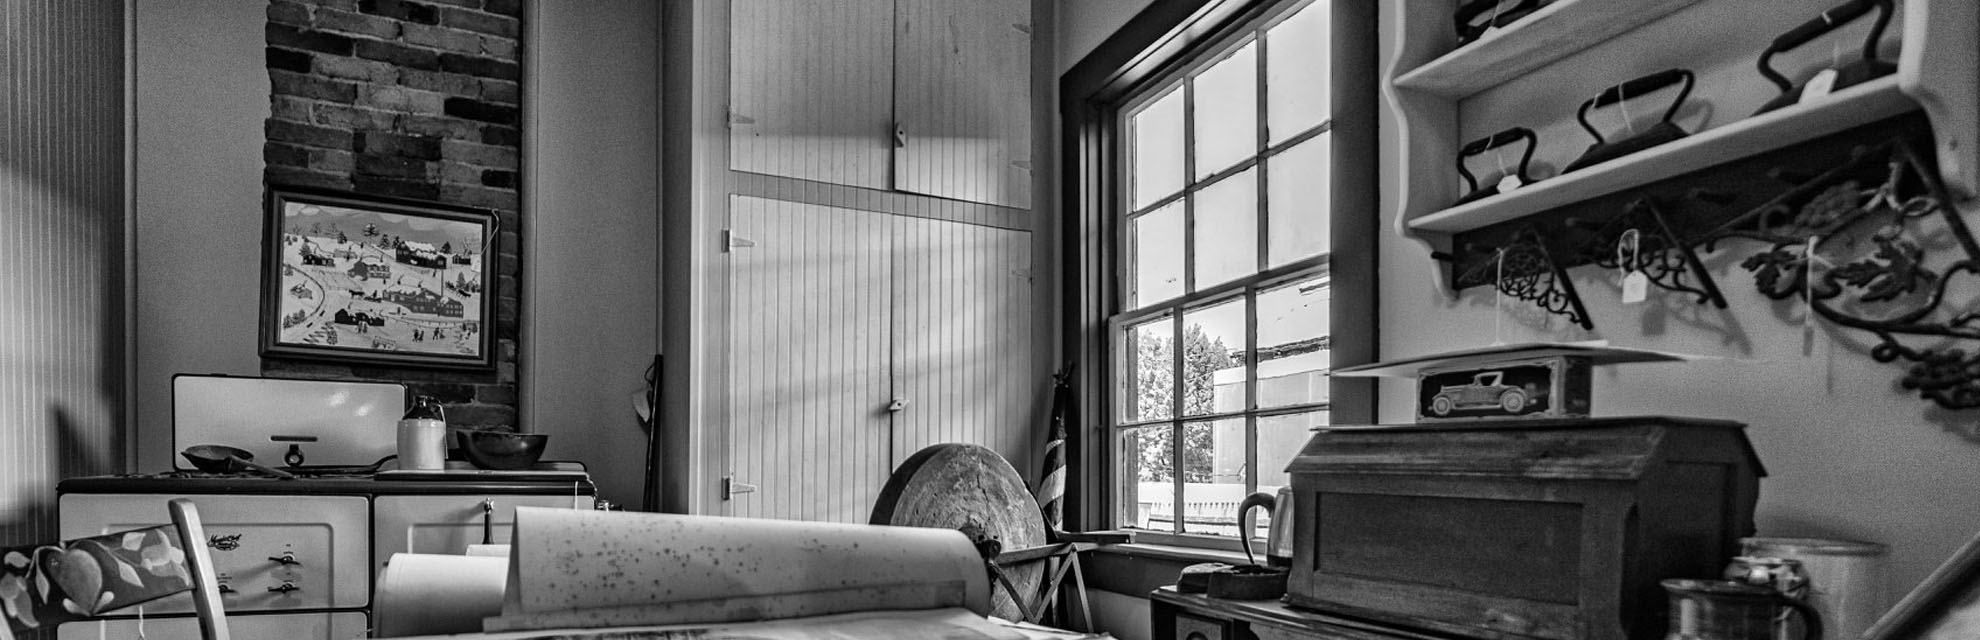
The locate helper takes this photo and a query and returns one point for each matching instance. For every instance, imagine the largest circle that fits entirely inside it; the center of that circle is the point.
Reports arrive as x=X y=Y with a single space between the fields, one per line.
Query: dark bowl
x=501 y=449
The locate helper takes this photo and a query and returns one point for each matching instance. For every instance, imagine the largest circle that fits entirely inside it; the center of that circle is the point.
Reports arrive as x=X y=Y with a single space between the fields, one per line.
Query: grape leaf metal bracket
x=1875 y=245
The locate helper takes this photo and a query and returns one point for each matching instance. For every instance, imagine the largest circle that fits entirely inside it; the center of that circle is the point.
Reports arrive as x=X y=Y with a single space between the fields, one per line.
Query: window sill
x=1172 y=553
x=1136 y=568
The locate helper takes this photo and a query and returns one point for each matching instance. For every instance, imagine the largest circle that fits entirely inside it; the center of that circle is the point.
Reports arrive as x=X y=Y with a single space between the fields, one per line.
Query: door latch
x=731 y=488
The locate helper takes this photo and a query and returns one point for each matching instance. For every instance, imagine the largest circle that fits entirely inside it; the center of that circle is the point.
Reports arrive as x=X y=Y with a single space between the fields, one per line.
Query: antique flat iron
x=1479 y=16
x=1507 y=180
x=1866 y=68
x=1664 y=131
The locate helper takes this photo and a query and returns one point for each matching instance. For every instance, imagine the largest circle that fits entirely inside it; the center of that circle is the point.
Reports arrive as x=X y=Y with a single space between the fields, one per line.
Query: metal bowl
x=501 y=449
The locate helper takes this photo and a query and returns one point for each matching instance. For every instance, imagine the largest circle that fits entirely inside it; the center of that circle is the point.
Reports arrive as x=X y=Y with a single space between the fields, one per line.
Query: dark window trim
x=1152 y=43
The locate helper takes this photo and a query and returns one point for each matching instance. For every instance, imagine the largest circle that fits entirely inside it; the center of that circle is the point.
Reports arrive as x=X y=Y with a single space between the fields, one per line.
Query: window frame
x=1154 y=53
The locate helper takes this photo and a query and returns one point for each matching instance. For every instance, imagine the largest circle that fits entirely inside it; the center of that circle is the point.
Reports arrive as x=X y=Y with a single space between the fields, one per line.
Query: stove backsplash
x=328 y=422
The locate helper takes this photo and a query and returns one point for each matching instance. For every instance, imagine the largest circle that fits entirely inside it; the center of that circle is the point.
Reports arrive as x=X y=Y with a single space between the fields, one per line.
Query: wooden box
x=1556 y=529
x=1548 y=387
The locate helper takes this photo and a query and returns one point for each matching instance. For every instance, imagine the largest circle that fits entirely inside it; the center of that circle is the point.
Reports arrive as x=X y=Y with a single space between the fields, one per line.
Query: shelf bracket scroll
x=1525 y=270
x=1662 y=256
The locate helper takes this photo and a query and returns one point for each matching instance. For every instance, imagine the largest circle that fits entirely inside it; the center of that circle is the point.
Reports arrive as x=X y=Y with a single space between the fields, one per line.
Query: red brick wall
x=410 y=99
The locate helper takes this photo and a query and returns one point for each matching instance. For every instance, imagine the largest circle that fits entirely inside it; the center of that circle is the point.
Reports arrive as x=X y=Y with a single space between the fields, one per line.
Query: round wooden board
x=970 y=488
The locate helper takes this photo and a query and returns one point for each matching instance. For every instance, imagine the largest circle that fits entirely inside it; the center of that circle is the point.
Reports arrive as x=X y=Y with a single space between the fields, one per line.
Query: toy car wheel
x=1440 y=405
x=1512 y=401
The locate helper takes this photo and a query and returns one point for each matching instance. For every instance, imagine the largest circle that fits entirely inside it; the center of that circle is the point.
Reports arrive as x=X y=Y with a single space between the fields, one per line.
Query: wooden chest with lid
x=1554 y=529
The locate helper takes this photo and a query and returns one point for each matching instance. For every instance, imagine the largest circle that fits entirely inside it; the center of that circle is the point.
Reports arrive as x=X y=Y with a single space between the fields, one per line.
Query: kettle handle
x=1260 y=499
x=1811 y=622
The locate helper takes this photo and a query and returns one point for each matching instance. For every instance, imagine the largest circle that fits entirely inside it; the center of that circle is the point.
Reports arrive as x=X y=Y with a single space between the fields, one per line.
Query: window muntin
x=1222 y=333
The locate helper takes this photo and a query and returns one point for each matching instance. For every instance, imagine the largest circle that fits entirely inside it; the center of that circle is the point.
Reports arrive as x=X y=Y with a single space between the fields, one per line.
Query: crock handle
x=1811 y=622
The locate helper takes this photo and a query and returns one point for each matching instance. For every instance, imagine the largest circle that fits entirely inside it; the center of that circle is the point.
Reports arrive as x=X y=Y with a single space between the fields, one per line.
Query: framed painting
x=357 y=278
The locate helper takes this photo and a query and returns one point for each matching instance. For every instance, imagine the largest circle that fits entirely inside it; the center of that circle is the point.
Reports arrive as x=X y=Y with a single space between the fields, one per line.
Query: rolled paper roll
x=426 y=594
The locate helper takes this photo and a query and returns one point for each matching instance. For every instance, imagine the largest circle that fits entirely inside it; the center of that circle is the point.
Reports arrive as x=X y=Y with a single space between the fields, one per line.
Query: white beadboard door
x=963 y=352
x=808 y=367
x=810 y=89
x=962 y=96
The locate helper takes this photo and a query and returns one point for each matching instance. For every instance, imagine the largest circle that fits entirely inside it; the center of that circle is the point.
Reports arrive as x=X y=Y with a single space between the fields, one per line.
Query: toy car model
x=1486 y=389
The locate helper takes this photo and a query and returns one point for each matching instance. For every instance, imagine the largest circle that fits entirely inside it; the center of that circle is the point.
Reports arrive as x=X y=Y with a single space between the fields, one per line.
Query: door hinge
x=731 y=119
x=730 y=240
x=731 y=488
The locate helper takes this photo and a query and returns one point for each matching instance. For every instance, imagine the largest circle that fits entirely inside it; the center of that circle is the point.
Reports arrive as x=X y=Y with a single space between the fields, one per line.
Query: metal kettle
x=1278 y=542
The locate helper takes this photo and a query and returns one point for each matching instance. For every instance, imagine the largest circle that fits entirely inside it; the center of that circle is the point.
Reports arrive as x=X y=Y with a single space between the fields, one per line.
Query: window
x=1204 y=175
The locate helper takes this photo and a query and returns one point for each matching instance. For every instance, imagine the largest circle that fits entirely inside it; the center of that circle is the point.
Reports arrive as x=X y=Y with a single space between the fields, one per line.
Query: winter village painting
x=359 y=278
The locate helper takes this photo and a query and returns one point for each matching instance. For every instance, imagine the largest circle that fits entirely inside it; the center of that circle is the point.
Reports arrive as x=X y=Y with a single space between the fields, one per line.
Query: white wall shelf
x=1436 y=92
x=1864 y=103
x=1550 y=33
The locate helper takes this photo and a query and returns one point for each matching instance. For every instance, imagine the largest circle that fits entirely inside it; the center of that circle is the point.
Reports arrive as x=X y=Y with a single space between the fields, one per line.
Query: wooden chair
x=46 y=585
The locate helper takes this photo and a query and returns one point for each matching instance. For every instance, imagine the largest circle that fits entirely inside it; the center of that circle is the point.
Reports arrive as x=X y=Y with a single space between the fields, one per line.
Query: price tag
x=1819 y=87
x=1635 y=287
x=1510 y=182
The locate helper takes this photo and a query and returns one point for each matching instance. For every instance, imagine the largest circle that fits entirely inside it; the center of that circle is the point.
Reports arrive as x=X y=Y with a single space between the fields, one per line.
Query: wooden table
x=1194 y=616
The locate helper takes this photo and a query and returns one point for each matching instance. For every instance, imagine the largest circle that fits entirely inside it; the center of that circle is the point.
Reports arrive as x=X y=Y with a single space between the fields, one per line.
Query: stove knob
x=287 y=559
x=284 y=588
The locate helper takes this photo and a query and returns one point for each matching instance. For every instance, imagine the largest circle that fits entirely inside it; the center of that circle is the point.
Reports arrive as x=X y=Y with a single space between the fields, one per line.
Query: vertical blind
x=61 y=253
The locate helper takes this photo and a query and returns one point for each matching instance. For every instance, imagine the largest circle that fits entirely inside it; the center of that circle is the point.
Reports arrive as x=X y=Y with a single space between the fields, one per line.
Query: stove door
x=343 y=625
x=448 y=524
x=272 y=553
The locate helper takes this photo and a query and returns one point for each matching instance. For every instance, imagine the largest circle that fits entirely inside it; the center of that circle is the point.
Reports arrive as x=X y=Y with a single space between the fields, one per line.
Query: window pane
x=1213 y=359
x=1279 y=439
x=1226 y=114
x=1157 y=169
x=1293 y=358
x=1146 y=478
x=1156 y=238
x=1213 y=476
x=1300 y=201
x=1150 y=371
x=1226 y=229
x=1298 y=71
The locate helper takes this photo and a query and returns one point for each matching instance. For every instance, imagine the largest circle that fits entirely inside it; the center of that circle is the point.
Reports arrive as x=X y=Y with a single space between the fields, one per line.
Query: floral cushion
x=43 y=586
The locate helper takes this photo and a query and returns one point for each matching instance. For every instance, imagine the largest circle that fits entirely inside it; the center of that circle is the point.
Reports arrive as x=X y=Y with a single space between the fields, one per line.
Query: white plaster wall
x=591 y=160
x=200 y=99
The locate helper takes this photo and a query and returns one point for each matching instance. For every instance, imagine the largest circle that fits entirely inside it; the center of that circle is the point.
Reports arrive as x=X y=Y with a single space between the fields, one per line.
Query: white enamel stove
x=298 y=558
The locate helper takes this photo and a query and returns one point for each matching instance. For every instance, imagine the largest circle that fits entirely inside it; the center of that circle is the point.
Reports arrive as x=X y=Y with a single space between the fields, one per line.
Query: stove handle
x=488 y=521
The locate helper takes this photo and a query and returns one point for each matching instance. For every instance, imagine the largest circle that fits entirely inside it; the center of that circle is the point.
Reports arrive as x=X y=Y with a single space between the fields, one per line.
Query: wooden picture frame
x=363 y=279
x=1945 y=606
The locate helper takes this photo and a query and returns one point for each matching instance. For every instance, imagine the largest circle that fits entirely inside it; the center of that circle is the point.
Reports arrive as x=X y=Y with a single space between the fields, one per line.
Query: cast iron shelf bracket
x=1525 y=270
x=1660 y=254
